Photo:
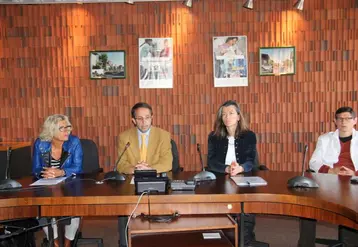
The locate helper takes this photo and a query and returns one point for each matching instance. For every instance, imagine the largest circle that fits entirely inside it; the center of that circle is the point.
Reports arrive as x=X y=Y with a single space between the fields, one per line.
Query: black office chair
x=257 y=166
x=175 y=166
x=90 y=166
x=90 y=157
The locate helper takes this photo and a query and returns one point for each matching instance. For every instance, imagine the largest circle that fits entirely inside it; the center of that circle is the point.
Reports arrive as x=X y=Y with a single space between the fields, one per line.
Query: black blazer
x=245 y=148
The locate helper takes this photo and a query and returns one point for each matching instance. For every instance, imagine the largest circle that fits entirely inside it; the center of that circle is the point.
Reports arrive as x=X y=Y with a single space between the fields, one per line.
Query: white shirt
x=230 y=155
x=328 y=149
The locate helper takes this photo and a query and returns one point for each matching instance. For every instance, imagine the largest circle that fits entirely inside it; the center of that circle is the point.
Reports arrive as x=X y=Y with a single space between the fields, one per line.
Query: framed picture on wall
x=277 y=60
x=155 y=62
x=230 y=61
x=107 y=64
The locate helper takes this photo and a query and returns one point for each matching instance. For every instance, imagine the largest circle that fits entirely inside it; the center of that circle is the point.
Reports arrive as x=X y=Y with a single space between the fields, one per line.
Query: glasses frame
x=67 y=128
x=344 y=119
x=143 y=119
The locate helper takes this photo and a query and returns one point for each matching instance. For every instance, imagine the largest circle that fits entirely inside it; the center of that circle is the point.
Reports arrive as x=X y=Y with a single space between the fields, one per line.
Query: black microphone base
x=9 y=184
x=114 y=175
x=302 y=182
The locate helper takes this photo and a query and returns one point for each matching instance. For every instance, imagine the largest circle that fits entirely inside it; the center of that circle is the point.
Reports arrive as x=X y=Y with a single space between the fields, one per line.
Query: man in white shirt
x=335 y=153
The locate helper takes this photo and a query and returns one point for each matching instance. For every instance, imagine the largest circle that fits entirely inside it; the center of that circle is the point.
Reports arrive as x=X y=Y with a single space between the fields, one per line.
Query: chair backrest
x=175 y=164
x=90 y=156
x=257 y=166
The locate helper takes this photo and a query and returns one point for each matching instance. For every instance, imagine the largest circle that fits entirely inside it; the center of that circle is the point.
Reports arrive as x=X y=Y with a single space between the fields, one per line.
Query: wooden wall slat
x=44 y=67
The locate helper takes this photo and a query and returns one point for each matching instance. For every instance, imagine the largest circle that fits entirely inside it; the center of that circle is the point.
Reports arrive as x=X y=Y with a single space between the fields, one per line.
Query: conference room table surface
x=335 y=201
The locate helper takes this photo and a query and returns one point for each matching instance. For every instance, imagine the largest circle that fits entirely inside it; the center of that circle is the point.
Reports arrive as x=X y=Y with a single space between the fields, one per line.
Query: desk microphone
x=115 y=175
x=302 y=181
x=203 y=175
x=8 y=183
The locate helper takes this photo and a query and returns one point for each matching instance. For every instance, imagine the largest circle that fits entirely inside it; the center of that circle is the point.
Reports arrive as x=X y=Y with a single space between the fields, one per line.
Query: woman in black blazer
x=232 y=150
x=231 y=146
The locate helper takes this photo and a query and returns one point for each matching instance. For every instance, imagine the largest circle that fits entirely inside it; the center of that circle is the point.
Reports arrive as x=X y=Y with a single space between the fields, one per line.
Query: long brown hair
x=219 y=126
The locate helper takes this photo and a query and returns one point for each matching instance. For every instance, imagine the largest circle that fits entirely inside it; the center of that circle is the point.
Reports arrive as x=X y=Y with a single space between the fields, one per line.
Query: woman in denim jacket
x=57 y=153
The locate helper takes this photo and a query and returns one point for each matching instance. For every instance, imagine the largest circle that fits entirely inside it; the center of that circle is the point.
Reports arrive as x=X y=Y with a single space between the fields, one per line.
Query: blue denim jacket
x=72 y=155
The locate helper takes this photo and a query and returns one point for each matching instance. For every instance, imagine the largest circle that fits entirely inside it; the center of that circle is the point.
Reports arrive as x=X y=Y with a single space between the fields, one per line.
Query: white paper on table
x=211 y=235
x=48 y=181
x=249 y=181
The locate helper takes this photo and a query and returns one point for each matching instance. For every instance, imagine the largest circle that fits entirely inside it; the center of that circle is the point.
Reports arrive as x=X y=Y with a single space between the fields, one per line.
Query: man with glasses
x=335 y=153
x=334 y=150
x=150 y=146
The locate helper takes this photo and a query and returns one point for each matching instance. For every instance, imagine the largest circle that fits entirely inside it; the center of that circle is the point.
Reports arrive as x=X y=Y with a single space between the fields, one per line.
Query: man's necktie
x=143 y=149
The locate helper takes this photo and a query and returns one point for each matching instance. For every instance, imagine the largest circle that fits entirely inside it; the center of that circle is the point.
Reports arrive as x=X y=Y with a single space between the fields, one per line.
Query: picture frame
x=107 y=64
x=230 y=61
x=277 y=61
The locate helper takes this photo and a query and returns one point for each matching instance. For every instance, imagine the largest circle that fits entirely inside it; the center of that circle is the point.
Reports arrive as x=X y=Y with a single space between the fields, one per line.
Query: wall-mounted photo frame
x=155 y=62
x=108 y=64
x=230 y=61
x=277 y=60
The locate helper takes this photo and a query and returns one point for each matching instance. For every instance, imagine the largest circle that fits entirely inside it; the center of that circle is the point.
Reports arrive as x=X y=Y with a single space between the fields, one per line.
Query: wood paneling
x=44 y=69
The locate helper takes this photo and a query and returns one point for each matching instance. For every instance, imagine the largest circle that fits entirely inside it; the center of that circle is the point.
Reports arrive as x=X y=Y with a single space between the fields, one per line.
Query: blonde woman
x=57 y=153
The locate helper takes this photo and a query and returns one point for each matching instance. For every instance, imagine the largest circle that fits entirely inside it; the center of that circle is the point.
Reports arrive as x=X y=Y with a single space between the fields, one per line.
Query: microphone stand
x=8 y=183
x=302 y=181
x=203 y=175
x=115 y=175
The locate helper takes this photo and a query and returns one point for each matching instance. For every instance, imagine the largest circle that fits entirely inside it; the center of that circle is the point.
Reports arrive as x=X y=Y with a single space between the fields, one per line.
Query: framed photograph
x=155 y=62
x=107 y=64
x=230 y=61
x=277 y=60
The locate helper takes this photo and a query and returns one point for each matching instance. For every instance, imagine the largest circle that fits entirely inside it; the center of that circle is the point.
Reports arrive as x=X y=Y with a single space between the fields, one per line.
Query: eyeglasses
x=344 y=119
x=65 y=128
x=144 y=119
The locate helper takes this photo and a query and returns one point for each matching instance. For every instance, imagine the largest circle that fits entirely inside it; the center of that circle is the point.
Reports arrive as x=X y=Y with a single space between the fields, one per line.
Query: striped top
x=55 y=163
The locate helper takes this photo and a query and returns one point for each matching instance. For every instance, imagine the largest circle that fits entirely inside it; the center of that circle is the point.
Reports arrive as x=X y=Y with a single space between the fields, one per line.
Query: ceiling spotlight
x=299 y=4
x=130 y=1
x=249 y=4
x=188 y=3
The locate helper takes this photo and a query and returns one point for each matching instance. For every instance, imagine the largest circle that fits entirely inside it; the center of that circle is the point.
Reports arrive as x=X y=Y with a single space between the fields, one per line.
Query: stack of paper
x=249 y=181
x=48 y=181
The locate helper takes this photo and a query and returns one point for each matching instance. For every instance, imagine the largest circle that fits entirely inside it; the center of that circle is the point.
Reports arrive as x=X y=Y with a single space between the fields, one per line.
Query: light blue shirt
x=140 y=137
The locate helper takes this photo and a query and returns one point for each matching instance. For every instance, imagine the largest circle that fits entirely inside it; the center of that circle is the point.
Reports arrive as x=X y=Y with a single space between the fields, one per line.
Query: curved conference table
x=336 y=201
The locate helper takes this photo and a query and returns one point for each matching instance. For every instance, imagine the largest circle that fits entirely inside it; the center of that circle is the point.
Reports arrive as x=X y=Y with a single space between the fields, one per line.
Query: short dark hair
x=346 y=109
x=141 y=105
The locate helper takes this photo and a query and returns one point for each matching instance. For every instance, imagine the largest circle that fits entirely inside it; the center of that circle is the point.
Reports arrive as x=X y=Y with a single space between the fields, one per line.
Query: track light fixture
x=299 y=4
x=188 y=3
x=249 y=4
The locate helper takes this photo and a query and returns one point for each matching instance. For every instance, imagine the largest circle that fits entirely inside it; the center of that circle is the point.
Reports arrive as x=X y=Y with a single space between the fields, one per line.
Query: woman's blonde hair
x=219 y=126
x=51 y=126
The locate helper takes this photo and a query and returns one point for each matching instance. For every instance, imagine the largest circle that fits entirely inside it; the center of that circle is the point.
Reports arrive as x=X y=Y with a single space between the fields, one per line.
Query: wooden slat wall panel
x=44 y=67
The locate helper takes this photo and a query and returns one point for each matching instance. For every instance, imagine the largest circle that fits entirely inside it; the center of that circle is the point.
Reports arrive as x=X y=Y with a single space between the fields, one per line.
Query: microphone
x=302 y=181
x=203 y=175
x=201 y=157
x=304 y=160
x=8 y=183
x=115 y=175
